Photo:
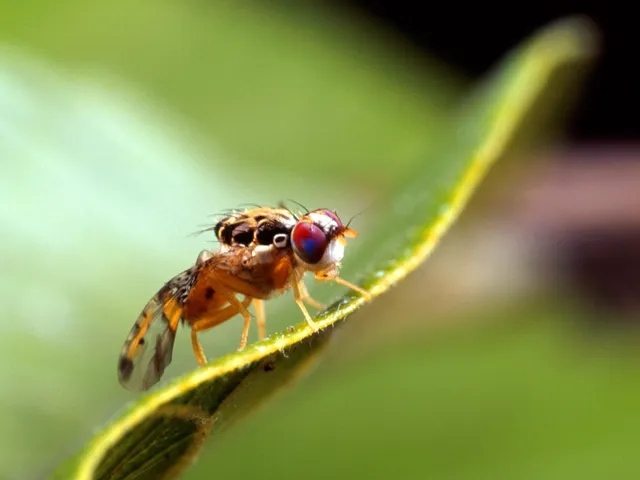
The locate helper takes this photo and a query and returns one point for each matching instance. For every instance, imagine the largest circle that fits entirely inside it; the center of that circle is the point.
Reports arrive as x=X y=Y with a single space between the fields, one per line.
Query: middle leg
x=245 y=314
x=206 y=323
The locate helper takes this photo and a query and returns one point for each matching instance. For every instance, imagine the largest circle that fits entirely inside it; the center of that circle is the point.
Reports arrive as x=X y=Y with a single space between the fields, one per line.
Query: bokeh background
x=511 y=354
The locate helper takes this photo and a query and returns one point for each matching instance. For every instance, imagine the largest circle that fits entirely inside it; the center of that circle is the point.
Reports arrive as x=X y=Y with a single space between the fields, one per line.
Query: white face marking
x=332 y=257
x=334 y=253
x=329 y=266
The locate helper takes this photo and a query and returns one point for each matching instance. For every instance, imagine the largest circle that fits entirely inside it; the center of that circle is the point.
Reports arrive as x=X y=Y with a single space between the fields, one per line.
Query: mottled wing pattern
x=148 y=349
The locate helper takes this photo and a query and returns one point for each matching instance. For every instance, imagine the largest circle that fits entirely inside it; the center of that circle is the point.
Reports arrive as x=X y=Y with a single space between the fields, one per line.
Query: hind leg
x=206 y=323
x=260 y=319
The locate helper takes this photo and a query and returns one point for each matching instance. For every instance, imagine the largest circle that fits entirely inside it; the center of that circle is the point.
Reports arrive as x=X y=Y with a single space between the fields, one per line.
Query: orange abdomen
x=203 y=300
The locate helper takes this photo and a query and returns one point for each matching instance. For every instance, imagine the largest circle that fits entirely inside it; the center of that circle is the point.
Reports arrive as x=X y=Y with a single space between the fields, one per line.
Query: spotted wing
x=148 y=349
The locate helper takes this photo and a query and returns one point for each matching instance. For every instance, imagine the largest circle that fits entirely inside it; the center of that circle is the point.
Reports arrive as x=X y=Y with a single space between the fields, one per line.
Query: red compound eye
x=309 y=242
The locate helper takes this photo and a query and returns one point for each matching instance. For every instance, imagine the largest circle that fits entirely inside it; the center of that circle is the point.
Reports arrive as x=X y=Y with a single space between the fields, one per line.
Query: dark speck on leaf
x=269 y=366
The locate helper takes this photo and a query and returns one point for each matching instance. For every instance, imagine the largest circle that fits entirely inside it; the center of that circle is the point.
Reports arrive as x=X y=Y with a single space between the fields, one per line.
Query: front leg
x=305 y=297
x=353 y=287
x=297 y=295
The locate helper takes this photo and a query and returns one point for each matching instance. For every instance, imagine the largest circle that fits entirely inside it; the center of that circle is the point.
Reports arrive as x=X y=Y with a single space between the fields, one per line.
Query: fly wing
x=149 y=347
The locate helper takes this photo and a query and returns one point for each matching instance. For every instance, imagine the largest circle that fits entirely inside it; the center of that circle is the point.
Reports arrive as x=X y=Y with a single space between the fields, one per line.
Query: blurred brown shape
x=584 y=207
x=560 y=223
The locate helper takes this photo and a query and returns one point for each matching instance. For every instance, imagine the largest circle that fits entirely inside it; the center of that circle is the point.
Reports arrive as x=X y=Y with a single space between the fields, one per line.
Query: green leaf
x=115 y=146
x=162 y=432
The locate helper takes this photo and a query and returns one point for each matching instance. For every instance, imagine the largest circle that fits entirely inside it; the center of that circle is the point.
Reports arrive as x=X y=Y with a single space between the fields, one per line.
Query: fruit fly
x=263 y=253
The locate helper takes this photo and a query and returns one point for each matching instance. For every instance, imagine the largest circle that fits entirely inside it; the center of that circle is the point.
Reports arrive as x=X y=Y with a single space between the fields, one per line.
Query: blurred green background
x=123 y=125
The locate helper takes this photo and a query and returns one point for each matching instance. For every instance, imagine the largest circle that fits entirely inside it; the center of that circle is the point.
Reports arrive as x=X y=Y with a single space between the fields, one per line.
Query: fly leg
x=298 y=296
x=206 y=323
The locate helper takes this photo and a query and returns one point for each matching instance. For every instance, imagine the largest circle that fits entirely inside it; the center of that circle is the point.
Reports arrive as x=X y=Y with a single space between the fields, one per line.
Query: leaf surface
x=161 y=433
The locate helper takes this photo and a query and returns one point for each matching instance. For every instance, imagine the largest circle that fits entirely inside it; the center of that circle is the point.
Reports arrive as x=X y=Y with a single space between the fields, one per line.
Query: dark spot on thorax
x=243 y=234
x=209 y=292
x=269 y=229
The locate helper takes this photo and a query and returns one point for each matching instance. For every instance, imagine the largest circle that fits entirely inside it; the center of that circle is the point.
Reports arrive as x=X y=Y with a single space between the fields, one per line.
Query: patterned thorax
x=257 y=226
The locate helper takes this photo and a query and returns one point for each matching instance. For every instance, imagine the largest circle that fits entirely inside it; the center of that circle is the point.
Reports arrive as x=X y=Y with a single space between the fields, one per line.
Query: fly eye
x=309 y=242
x=280 y=240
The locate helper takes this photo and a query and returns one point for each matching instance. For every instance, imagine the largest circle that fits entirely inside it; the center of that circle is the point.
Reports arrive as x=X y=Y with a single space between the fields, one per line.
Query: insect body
x=263 y=253
x=257 y=226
